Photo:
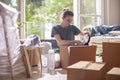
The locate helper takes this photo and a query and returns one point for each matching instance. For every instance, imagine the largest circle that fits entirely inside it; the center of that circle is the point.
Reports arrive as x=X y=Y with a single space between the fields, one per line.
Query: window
x=40 y=20
x=88 y=12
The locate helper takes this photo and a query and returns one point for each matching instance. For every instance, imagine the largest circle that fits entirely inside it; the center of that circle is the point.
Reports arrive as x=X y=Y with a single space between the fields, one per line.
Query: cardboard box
x=64 y=56
x=73 y=54
x=111 y=55
x=82 y=53
x=113 y=74
x=35 y=56
x=85 y=70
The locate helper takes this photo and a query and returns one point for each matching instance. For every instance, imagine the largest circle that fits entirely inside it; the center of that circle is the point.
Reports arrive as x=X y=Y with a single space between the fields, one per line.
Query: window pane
x=98 y=21
x=87 y=6
x=43 y=30
x=35 y=28
x=98 y=7
x=85 y=21
x=48 y=29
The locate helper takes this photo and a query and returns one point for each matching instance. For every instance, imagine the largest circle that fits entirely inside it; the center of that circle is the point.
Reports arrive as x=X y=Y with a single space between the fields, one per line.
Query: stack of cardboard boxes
x=87 y=70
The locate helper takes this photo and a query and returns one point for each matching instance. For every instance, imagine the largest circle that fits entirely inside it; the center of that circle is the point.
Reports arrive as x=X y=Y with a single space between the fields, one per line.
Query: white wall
x=112 y=12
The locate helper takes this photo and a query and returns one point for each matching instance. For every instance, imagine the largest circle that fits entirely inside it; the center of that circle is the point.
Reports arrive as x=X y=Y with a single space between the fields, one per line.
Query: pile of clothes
x=101 y=30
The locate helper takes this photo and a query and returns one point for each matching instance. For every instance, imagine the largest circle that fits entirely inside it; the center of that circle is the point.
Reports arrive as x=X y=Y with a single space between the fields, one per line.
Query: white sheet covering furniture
x=98 y=40
x=9 y=42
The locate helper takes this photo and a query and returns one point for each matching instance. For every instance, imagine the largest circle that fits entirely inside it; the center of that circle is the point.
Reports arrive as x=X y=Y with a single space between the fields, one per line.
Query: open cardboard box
x=64 y=56
x=113 y=74
x=86 y=70
x=35 y=55
x=111 y=54
x=72 y=54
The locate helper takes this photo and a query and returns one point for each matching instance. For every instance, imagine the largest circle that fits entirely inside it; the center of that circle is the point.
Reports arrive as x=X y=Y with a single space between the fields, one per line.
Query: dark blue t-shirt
x=66 y=33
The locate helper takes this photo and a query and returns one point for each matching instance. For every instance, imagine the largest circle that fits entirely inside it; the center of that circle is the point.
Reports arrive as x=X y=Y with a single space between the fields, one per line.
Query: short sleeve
x=54 y=31
x=76 y=30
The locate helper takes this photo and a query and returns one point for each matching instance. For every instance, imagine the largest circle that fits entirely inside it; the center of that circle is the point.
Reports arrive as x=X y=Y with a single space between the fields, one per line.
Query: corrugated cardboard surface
x=64 y=56
x=113 y=74
x=34 y=56
x=76 y=53
x=84 y=53
x=111 y=55
x=85 y=70
x=80 y=65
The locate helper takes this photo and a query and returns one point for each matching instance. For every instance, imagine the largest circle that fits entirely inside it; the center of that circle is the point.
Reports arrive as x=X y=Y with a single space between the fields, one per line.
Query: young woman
x=64 y=33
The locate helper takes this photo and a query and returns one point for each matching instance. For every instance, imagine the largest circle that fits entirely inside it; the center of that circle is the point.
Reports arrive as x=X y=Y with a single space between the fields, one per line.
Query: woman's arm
x=65 y=42
x=60 y=41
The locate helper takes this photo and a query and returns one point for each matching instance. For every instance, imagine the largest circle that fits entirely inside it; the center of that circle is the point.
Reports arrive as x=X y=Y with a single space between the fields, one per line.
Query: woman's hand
x=73 y=42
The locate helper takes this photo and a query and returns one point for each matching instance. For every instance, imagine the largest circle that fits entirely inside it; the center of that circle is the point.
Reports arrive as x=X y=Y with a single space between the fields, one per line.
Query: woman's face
x=67 y=20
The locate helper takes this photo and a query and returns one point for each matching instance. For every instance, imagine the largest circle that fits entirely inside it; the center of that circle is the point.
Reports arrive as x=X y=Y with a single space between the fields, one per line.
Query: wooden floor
x=57 y=74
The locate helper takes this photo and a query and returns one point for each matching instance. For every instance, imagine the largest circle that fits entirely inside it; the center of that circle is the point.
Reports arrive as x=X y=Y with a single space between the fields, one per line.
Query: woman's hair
x=87 y=29
x=66 y=12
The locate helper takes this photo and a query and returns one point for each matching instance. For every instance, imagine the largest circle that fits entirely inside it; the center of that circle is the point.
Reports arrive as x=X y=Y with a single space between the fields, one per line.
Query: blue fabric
x=103 y=29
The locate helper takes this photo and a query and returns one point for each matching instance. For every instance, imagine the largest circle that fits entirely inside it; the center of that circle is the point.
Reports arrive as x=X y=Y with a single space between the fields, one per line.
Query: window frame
x=77 y=10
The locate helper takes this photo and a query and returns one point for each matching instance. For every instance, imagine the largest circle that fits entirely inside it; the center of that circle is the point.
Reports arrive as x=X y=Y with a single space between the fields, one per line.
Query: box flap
x=95 y=66
x=114 y=71
x=80 y=65
x=88 y=65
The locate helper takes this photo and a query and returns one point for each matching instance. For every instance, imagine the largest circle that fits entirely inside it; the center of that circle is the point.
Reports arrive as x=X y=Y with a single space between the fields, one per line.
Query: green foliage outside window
x=48 y=12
